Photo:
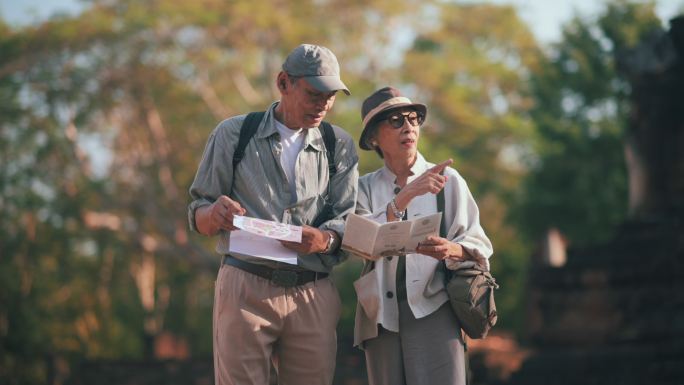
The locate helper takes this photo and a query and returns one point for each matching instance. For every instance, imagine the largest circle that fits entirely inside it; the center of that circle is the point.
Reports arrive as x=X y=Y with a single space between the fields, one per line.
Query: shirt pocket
x=304 y=212
x=367 y=289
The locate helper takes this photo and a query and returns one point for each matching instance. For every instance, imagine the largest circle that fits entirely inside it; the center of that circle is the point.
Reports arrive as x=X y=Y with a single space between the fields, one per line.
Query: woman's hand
x=442 y=248
x=431 y=181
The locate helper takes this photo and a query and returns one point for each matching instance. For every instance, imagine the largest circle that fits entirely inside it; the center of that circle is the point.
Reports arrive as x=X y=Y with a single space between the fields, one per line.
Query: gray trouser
x=426 y=351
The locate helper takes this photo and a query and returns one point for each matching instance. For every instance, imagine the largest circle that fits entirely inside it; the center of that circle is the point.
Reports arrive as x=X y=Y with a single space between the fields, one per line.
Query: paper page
x=359 y=234
x=422 y=228
x=391 y=239
x=269 y=229
x=244 y=242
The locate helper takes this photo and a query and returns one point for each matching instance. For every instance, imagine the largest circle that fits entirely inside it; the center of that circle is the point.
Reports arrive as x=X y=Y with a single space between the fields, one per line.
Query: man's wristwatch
x=331 y=242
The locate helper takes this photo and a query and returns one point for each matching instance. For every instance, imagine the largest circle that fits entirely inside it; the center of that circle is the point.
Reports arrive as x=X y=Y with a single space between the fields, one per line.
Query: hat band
x=387 y=103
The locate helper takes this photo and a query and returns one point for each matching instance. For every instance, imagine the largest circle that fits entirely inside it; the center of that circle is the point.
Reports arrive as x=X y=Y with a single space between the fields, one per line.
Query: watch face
x=331 y=241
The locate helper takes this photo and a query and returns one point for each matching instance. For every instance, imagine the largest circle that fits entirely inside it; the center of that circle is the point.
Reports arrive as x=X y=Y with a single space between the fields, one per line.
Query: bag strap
x=448 y=274
x=247 y=131
x=442 y=229
x=329 y=141
x=251 y=124
x=249 y=128
x=440 y=208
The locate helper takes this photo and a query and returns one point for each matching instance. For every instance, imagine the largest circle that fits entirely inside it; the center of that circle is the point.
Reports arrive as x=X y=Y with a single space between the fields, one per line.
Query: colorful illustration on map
x=269 y=229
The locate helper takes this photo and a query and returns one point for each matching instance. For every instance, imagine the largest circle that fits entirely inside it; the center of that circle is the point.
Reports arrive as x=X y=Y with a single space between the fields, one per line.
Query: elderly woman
x=403 y=320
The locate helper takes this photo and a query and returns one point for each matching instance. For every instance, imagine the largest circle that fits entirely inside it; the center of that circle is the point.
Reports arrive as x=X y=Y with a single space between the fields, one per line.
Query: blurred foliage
x=578 y=178
x=470 y=67
x=105 y=115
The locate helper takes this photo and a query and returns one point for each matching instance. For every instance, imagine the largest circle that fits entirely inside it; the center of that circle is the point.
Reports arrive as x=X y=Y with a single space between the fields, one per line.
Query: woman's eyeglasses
x=397 y=119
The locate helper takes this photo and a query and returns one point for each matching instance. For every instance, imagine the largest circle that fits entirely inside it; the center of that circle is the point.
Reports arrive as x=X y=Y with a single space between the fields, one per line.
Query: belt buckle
x=284 y=278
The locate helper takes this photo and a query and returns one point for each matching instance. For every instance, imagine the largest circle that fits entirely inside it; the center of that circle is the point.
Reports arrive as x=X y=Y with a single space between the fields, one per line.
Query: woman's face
x=397 y=135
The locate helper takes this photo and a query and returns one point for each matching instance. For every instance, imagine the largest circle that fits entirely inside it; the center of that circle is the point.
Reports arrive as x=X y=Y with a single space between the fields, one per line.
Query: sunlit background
x=105 y=107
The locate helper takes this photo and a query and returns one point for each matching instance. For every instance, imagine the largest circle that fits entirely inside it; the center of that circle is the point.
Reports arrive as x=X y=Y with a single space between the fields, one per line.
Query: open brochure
x=372 y=240
x=261 y=238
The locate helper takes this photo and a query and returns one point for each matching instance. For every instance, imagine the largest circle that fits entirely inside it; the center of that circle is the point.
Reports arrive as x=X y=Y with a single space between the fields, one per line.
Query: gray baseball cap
x=318 y=65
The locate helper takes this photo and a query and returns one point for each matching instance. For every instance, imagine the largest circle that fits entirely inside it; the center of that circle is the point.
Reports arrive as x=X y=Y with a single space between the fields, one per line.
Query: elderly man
x=288 y=166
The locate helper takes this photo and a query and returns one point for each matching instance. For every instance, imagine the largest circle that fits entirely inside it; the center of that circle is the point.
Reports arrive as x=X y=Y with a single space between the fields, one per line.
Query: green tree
x=105 y=115
x=470 y=67
x=104 y=118
x=578 y=180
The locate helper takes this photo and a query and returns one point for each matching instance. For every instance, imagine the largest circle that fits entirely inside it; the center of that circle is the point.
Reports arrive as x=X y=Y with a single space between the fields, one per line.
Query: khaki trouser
x=256 y=323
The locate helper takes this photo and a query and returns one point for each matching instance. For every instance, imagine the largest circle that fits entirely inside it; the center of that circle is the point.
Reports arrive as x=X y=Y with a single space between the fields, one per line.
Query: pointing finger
x=440 y=167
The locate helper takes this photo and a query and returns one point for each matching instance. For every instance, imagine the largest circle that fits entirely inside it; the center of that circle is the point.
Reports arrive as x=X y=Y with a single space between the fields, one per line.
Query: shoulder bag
x=471 y=292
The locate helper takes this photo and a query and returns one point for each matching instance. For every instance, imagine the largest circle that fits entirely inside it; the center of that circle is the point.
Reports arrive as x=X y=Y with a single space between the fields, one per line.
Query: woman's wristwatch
x=395 y=210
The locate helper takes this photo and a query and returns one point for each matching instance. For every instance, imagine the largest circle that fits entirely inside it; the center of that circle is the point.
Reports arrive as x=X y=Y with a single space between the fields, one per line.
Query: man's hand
x=442 y=248
x=313 y=241
x=218 y=216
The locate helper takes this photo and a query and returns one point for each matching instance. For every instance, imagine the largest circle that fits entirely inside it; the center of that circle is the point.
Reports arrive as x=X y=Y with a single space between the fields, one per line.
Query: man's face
x=305 y=106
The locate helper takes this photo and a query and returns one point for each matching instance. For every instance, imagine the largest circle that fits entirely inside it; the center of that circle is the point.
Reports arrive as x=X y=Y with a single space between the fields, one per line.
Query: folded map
x=269 y=229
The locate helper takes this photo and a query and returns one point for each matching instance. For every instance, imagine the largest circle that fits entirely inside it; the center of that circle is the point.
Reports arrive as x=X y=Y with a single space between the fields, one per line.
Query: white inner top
x=291 y=141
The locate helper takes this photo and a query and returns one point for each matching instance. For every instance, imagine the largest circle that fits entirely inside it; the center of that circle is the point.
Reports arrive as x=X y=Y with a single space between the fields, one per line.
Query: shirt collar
x=312 y=136
x=419 y=167
x=314 y=139
x=269 y=127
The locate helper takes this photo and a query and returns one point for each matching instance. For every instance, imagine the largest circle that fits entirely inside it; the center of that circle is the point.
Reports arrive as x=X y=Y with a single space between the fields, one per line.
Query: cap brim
x=327 y=83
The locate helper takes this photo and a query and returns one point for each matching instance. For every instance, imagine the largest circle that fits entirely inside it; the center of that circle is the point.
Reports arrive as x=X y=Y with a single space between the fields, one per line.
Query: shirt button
x=396 y=190
x=390 y=294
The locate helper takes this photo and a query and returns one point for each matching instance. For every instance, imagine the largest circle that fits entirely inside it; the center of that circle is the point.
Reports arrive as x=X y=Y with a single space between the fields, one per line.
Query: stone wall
x=614 y=313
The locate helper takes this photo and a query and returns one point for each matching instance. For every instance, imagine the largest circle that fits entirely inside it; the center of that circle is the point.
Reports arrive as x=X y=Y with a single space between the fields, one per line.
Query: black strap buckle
x=284 y=278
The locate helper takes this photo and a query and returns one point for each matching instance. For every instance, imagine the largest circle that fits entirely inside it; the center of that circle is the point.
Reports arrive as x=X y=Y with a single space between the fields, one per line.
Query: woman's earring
x=374 y=144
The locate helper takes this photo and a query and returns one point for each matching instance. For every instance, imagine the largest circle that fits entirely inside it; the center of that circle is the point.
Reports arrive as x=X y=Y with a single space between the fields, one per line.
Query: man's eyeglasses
x=397 y=119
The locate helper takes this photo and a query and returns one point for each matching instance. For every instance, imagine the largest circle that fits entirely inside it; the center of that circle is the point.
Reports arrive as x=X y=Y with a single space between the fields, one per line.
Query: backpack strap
x=249 y=128
x=247 y=131
x=329 y=141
